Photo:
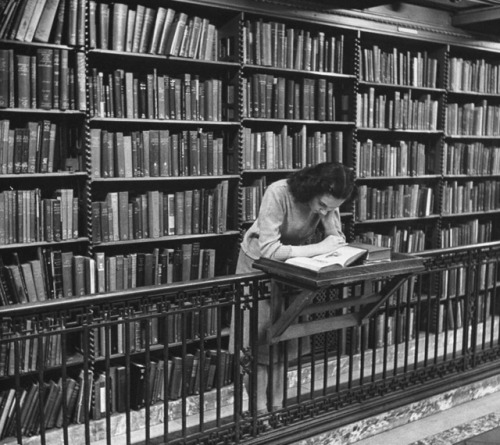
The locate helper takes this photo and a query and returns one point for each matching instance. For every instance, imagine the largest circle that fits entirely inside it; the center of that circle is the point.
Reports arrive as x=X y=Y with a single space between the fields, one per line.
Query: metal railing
x=179 y=363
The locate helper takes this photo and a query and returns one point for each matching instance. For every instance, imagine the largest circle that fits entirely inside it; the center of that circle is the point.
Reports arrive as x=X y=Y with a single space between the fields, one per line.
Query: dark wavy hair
x=326 y=178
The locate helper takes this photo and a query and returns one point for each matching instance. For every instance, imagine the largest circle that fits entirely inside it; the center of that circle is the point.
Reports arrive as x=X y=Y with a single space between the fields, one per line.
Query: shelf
x=472 y=137
x=256 y=171
x=396 y=178
x=41 y=111
x=254 y=120
x=364 y=83
x=273 y=70
x=199 y=123
x=15 y=43
x=478 y=213
x=43 y=244
x=55 y=175
x=400 y=130
x=74 y=359
x=162 y=58
x=164 y=178
x=476 y=176
x=402 y=219
x=160 y=346
x=229 y=233
x=473 y=94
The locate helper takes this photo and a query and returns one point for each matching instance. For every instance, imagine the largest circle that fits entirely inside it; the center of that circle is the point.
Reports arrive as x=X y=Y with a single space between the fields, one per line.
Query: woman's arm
x=332 y=223
x=330 y=243
x=334 y=237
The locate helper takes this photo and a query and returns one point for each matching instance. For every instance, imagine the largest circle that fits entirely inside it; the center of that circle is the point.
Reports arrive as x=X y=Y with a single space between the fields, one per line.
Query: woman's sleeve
x=271 y=216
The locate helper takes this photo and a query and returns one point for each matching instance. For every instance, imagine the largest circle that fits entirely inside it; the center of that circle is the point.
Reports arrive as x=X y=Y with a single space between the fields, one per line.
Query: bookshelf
x=43 y=173
x=163 y=130
x=398 y=148
x=470 y=175
x=162 y=142
x=297 y=90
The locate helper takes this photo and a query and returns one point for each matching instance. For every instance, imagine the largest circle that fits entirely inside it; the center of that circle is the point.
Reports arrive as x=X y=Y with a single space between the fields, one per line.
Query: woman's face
x=323 y=204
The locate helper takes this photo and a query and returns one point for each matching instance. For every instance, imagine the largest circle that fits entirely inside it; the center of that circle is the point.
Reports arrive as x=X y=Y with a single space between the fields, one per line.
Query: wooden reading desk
x=397 y=271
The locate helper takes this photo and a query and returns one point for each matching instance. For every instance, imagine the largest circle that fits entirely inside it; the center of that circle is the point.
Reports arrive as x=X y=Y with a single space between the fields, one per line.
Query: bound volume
x=343 y=256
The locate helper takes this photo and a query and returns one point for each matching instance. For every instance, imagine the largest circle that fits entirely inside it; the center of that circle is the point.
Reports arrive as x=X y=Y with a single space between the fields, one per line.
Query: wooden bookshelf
x=235 y=97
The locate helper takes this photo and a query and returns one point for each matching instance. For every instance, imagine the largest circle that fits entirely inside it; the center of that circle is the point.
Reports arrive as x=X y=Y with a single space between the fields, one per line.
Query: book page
x=341 y=257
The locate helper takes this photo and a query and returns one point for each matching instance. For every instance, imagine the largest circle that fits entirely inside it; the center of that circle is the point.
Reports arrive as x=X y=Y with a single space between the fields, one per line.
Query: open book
x=342 y=256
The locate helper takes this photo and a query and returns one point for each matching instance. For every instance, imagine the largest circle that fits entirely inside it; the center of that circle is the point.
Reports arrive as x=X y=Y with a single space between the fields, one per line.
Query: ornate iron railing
x=167 y=365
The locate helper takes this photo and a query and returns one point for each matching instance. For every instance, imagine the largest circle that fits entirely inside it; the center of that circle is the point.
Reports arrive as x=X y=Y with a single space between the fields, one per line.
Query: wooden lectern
x=398 y=270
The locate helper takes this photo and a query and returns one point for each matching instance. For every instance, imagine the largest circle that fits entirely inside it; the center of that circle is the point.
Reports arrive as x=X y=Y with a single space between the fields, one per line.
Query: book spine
x=45 y=66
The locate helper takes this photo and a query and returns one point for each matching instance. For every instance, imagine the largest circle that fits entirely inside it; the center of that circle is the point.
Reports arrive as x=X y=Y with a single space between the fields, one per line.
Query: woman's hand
x=331 y=242
x=328 y=221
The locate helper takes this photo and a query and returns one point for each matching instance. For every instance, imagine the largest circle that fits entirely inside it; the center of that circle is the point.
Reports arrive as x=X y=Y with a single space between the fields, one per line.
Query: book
x=46 y=21
x=374 y=253
x=119 y=23
x=72 y=392
x=176 y=378
x=45 y=66
x=5 y=69
x=138 y=385
x=343 y=256
x=20 y=30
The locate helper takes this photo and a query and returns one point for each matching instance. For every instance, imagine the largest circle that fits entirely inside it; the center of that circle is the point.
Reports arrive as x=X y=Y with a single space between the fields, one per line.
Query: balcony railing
x=165 y=364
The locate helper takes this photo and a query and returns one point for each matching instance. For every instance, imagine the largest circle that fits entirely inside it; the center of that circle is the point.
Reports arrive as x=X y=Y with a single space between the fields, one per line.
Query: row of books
x=478 y=76
x=181 y=324
x=407 y=240
x=453 y=284
x=402 y=299
x=153 y=153
x=404 y=158
x=185 y=262
x=59 y=274
x=168 y=380
x=98 y=393
x=252 y=198
x=38 y=147
x=401 y=201
x=124 y=216
x=387 y=328
x=54 y=21
x=28 y=354
x=391 y=328
x=473 y=158
x=400 y=113
x=121 y=94
x=270 y=150
x=278 y=45
x=26 y=217
x=465 y=197
x=151 y=30
x=48 y=79
x=473 y=119
x=469 y=232
x=52 y=274
x=439 y=316
x=269 y=97
x=398 y=67
x=50 y=395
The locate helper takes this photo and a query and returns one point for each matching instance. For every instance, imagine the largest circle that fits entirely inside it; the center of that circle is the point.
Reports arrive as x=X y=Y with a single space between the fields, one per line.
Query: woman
x=291 y=214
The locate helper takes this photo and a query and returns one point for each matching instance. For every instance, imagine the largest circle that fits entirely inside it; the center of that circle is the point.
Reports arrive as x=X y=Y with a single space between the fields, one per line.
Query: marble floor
x=472 y=423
